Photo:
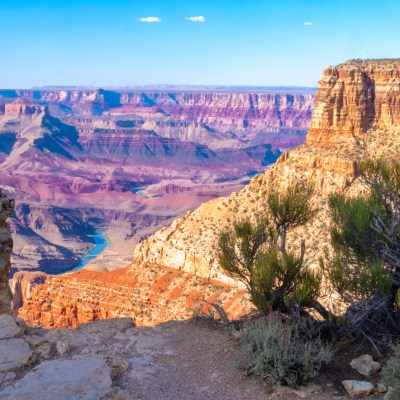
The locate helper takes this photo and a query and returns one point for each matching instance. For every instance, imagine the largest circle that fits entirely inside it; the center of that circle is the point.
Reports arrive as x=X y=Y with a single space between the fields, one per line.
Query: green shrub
x=391 y=374
x=277 y=351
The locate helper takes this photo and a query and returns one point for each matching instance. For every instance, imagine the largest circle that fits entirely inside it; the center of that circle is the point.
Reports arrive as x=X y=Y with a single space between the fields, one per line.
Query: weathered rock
x=358 y=388
x=15 y=354
x=122 y=296
x=353 y=98
x=8 y=327
x=349 y=124
x=365 y=365
x=62 y=348
x=83 y=379
x=45 y=349
x=6 y=245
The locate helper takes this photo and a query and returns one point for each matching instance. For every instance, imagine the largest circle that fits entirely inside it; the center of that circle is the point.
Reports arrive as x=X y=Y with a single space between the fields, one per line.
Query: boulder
x=64 y=379
x=358 y=388
x=14 y=354
x=8 y=327
x=365 y=365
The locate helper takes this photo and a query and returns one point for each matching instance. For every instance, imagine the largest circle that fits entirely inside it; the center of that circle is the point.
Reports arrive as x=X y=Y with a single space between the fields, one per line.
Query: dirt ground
x=193 y=361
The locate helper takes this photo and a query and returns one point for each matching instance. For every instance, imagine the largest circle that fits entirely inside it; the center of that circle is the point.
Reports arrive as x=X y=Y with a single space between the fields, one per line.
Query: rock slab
x=358 y=388
x=70 y=379
x=14 y=354
x=8 y=327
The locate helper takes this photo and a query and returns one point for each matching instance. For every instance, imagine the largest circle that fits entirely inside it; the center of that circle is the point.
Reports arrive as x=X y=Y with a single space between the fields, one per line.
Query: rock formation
x=6 y=245
x=353 y=98
x=188 y=245
x=70 y=156
x=148 y=294
x=356 y=117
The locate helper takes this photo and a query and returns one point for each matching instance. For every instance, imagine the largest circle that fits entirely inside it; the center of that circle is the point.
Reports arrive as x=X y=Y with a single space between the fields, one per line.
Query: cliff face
x=6 y=244
x=188 y=245
x=353 y=98
x=218 y=111
x=148 y=294
x=356 y=117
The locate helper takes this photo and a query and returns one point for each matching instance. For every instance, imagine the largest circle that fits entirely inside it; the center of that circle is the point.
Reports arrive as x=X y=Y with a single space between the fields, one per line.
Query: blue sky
x=253 y=42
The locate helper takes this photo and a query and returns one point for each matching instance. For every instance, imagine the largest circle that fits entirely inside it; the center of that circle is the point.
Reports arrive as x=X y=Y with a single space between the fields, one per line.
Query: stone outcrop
x=22 y=107
x=148 y=294
x=6 y=245
x=353 y=98
x=349 y=124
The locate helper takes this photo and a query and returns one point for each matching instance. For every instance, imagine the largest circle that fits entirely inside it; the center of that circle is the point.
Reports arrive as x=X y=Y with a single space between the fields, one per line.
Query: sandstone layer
x=70 y=156
x=188 y=245
x=356 y=117
x=148 y=294
x=353 y=98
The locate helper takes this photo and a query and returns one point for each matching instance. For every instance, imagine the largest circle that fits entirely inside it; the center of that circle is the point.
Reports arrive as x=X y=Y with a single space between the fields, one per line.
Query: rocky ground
x=113 y=359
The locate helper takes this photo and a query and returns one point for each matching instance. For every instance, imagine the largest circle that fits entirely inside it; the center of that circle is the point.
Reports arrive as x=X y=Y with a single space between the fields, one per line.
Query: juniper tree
x=365 y=236
x=256 y=253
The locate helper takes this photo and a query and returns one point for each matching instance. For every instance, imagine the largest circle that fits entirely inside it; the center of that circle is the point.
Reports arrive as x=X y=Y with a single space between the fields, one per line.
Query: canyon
x=188 y=245
x=174 y=274
x=129 y=162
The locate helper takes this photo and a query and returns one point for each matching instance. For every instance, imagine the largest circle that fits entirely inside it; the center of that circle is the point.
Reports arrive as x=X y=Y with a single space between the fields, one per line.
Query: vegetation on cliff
x=363 y=270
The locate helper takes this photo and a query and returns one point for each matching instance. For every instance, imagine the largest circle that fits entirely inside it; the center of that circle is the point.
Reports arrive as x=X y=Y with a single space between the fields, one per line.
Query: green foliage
x=282 y=280
x=291 y=208
x=391 y=374
x=239 y=248
x=365 y=236
x=278 y=352
x=256 y=253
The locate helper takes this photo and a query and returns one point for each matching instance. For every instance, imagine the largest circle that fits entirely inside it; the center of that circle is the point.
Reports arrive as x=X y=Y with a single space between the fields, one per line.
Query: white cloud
x=307 y=23
x=200 y=18
x=150 y=19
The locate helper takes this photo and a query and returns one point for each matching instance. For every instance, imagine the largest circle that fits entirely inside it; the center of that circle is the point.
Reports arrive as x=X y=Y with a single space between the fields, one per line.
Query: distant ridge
x=183 y=88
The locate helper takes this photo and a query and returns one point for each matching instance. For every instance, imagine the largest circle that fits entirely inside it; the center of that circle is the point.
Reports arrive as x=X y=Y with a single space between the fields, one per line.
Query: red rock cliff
x=353 y=98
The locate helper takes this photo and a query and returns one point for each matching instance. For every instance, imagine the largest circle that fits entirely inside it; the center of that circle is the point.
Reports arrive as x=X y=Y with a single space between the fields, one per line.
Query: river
x=100 y=244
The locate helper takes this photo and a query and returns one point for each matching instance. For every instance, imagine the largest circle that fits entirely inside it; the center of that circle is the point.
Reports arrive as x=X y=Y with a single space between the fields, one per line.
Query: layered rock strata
x=6 y=245
x=353 y=98
x=188 y=245
x=356 y=117
x=148 y=294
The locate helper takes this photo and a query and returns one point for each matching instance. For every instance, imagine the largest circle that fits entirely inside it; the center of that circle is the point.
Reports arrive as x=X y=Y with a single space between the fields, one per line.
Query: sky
x=211 y=42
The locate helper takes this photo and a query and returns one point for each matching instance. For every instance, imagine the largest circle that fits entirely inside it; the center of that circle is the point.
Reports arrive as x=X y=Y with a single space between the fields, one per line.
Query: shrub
x=256 y=253
x=279 y=353
x=391 y=374
x=365 y=237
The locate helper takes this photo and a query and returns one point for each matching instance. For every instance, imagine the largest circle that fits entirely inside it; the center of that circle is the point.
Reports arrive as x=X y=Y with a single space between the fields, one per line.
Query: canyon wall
x=353 y=98
x=188 y=246
x=148 y=294
x=217 y=112
x=356 y=117
x=6 y=245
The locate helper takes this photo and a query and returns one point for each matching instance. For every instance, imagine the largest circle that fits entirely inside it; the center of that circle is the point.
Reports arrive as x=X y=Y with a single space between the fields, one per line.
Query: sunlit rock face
x=355 y=97
x=180 y=260
x=356 y=116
